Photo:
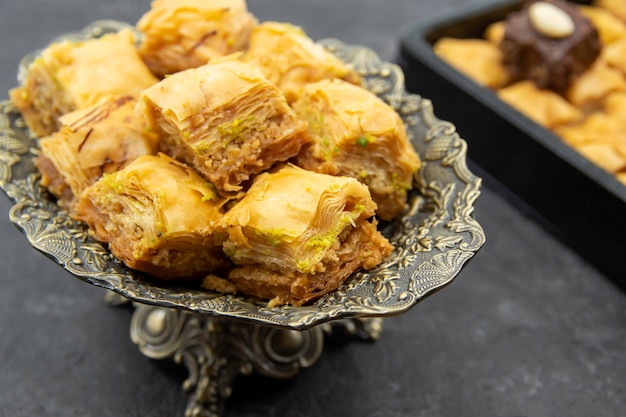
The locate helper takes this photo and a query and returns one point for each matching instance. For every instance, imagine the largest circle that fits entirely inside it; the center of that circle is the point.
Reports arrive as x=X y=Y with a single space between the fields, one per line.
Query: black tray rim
x=413 y=39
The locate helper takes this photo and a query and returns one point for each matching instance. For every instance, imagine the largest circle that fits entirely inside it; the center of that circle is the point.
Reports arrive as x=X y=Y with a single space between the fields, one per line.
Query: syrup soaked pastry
x=92 y=142
x=73 y=75
x=479 y=59
x=298 y=235
x=290 y=59
x=158 y=216
x=225 y=119
x=356 y=134
x=617 y=7
x=545 y=107
x=182 y=34
x=610 y=27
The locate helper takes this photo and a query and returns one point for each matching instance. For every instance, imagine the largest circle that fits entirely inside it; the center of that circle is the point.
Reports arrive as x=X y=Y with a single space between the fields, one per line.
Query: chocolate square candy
x=532 y=51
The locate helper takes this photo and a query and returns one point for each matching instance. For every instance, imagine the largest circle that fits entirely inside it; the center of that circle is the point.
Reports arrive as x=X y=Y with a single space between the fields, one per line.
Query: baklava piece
x=290 y=59
x=599 y=81
x=494 y=33
x=358 y=135
x=298 y=235
x=479 y=59
x=157 y=216
x=182 y=34
x=609 y=27
x=92 y=142
x=545 y=107
x=617 y=7
x=73 y=75
x=615 y=55
x=225 y=119
x=601 y=137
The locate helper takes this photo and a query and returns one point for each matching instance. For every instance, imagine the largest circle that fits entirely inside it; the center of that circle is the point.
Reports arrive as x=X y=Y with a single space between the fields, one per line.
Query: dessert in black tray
x=577 y=200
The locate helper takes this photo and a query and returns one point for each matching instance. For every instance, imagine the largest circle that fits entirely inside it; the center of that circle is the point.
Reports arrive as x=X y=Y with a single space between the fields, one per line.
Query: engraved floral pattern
x=433 y=240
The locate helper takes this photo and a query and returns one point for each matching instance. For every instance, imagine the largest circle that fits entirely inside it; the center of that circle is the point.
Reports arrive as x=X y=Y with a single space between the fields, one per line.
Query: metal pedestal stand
x=216 y=350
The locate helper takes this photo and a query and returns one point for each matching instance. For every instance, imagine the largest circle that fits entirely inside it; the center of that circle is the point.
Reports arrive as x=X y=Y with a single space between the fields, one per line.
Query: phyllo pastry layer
x=91 y=142
x=73 y=75
x=224 y=119
x=182 y=34
x=298 y=235
x=290 y=59
x=158 y=216
x=356 y=134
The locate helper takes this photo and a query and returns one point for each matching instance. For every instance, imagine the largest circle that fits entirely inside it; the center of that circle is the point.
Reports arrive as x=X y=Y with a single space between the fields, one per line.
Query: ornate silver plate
x=433 y=240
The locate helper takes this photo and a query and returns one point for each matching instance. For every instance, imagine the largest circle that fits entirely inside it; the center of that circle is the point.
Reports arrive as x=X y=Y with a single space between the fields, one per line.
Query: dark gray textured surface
x=527 y=329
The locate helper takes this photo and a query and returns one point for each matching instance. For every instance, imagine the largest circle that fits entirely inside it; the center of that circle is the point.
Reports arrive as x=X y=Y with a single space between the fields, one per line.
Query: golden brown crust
x=479 y=59
x=610 y=27
x=182 y=34
x=600 y=80
x=290 y=59
x=363 y=248
x=216 y=283
x=298 y=234
x=356 y=134
x=158 y=216
x=52 y=179
x=69 y=76
x=40 y=100
x=545 y=107
x=616 y=7
x=92 y=142
x=225 y=119
x=601 y=137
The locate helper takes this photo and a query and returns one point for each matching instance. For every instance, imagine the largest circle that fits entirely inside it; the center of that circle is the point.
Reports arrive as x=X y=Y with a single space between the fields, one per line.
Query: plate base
x=216 y=350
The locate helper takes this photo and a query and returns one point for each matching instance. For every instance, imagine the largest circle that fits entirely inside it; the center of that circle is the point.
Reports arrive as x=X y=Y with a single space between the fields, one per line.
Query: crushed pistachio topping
x=273 y=236
x=399 y=186
x=365 y=140
x=320 y=242
x=234 y=127
x=359 y=208
x=326 y=149
x=211 y=192
x=116 y=186
x=315 y=120
x=303 y=265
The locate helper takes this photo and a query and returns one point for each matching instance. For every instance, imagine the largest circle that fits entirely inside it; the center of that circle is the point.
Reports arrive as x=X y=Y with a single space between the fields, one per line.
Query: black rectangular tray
x=579 y=202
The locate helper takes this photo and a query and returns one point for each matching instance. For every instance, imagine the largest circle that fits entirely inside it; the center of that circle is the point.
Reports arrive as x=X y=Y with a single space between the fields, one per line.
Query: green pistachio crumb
x=365 y=140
